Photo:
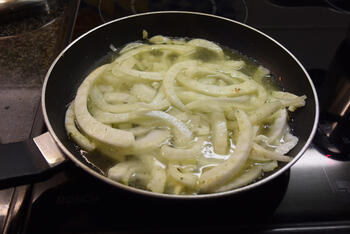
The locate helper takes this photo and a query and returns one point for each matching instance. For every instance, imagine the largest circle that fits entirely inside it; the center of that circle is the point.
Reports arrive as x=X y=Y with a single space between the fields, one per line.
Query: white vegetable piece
x=143 y=92
x=260 y=73
x=213 y=178
x=290 y=100
x=97 y=99
x=159 y=39
x=290 y=142
x=182 y=133
x=92 y=127
x=233 y=90
x=124 y=170
x=217 y=104
x=130 y=46
x=278 y=128
x=187 y=179
x=264 y=111
x=151 y=141
x=168 y=82
x=118 y=98
x=74 y=133
x=242 y=180
x=260 y=152
x=219 y=132
x=179 y=154
x=158 y=179
x=112 y=118
x=206 y=44
x=269 y=166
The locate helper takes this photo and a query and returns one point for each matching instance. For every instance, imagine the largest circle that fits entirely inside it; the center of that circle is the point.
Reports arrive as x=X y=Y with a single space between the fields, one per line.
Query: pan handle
x=29 y=161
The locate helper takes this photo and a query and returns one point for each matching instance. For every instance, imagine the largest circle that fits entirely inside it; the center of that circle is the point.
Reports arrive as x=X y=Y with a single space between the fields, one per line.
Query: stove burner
x=205 y=6
x=233 y=9
x=339 y=5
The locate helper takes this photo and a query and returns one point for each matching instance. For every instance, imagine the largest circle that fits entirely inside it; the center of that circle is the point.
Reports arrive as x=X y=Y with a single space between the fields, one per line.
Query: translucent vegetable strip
x=130 y=46
x=112 y=118
x=179 y=154
x=187 y=179
x=168 y=82
x=182 y=133
x=151 y=141
x=206 y=44
x=242 y=180
x=139 y=74
x=219 y=104
x=225 y=68
x=118 y=98
x=74 y=133
x=158 y=179
x=92 y=127
x=278 y=127
x=243 y=88
x=123 y=171
x=181 y=49
x=269 y=166
x=260 y=152
x=97 y=99
x=264 y=111
x=221 y=174
x=289 y=142
x=219 y=132
x=158 y=39
x=260 y=73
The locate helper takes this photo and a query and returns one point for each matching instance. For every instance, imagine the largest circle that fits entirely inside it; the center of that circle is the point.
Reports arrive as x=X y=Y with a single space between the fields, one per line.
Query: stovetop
x=313 y=197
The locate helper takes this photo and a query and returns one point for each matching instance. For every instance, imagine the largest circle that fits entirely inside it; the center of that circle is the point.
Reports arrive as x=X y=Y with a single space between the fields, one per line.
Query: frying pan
x=93 y=49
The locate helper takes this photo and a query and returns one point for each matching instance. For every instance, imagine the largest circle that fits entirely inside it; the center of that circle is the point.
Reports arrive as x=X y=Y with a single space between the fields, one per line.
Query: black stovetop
x=313 y=197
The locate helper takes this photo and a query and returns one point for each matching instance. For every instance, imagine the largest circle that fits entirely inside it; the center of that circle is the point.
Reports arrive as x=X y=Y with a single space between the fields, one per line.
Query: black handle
x=23 y=163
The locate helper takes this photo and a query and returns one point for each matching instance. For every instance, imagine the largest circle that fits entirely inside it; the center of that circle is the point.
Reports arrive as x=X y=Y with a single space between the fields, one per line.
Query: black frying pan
x=93 y=49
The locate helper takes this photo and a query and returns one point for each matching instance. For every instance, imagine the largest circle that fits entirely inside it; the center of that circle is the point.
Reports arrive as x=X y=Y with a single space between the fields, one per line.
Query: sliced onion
x=89 y=125
x=289 y=142
x=124 y=170
x=187 y=179
x=168 y=82
x=209 y=105
x=158 y=178
x=219 y=132
x=264 y=111
x=151 y=141
x=278 y=127
x=206 y=44
x=74 y=133
x=182 y=133
x=213 y=178
x=260 y=152
x=111 y=118
x=159 y=39
x=97 y=99
x=242 y=180
x=234 y=90
x=178 y=154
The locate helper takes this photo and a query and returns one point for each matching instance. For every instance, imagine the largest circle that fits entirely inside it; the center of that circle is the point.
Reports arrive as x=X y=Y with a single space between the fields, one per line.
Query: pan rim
x=171 y=196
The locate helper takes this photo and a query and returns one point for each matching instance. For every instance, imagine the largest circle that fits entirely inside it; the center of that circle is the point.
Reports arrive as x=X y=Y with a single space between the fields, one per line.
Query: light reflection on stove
x=313 y=158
